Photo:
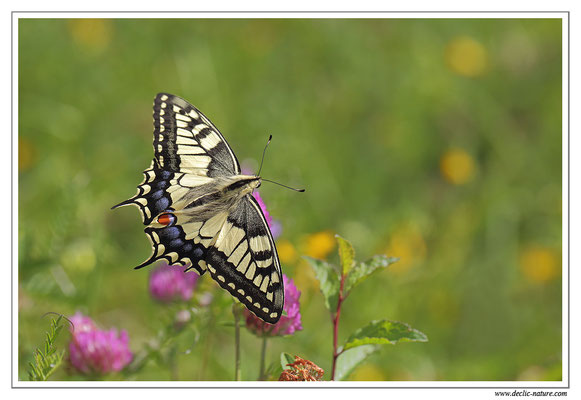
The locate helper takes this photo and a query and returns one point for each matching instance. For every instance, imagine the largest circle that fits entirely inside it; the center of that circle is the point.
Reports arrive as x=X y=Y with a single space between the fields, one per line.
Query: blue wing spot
x=161 y=204
x=198 y=252
x=176 y=243
x=164 y=174
x=160 y=185
x=170 y=233
x=157 y=194
x=187 y=248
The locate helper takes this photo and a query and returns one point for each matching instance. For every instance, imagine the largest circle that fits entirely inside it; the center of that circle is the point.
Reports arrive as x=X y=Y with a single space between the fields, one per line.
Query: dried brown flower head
x=302 y=370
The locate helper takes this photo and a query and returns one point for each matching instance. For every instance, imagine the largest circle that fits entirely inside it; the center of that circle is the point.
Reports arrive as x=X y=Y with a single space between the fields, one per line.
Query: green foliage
x=363 y=270
x=329 y=282
x=47 y=360
x=384 y=332
x=350 y=359
x=336 y=288
x=273 y=371
x=346 y=254
x=285 y=359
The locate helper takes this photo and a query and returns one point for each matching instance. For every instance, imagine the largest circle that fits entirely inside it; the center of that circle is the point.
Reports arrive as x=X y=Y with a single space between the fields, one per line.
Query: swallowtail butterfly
x=199 y=210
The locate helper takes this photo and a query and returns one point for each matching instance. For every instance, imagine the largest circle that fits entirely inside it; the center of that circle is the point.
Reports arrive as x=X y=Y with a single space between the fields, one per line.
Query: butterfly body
x=199 y=210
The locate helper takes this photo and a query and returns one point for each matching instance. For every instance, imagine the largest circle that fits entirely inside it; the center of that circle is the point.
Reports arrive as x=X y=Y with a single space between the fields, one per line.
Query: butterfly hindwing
x=180 y=239
x=185 y=140
x=244 y=261
x=170 y=243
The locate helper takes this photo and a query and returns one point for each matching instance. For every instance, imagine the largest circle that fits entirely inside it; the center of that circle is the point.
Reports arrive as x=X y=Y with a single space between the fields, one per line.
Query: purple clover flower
x=81 y=323
x=288 y=324
x=168 y=283
x=95 y=351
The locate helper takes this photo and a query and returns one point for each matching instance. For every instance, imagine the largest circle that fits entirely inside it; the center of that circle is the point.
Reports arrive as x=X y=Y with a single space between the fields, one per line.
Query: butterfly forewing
x=185 y=140
x=191 y=221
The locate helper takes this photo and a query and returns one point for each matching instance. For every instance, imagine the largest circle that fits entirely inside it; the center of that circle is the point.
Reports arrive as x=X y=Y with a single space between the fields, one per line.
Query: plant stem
x=172 y=361
x=336 y=327
x=236 y=313
x=207 y=348
x=261 y=376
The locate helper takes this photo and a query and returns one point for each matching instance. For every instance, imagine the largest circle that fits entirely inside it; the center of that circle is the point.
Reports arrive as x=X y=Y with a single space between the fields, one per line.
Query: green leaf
x=285 y=359
x=273 y=371
x=384 y=332
x=364 y=270
x=346 y=254
x=45 y=363
x=350 y=359
x=329 y=282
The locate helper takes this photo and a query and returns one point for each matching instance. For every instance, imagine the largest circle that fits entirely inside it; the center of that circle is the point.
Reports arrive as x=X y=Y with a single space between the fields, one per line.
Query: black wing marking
x=185 y=140
x=244 y=261
x=170 y=243
x=183 y=241
x=152 y=197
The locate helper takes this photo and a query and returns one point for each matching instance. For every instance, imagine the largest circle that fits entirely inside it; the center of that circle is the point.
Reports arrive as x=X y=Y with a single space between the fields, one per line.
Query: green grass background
x=362 y=112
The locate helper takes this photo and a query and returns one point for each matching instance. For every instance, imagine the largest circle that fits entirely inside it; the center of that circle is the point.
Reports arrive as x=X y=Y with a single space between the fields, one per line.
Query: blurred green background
x=434 y=140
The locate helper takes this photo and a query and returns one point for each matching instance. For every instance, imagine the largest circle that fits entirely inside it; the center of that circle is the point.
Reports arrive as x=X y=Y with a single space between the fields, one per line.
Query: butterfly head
x=254 y=182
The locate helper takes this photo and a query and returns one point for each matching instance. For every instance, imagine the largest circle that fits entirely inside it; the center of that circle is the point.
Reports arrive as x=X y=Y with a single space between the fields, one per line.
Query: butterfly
x=199 y=210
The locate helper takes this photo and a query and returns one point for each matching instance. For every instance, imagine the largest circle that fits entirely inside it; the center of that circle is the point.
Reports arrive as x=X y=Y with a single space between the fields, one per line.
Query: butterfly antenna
x=263 y=153
x=280 y=184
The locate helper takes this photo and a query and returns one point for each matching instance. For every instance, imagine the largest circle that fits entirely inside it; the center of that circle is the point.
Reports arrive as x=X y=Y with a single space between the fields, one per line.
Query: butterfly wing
x=185 y=140
x=236 y=246
x=189 y=153
x=245 y=262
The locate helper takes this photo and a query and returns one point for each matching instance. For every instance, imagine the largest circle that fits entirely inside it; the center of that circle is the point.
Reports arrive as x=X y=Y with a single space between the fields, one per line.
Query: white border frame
x=502 y=385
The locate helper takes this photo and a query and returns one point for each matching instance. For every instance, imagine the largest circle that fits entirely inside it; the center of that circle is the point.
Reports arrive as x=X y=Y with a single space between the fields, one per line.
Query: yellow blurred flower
x=90 y=33
x=26 y=154
x=467 y=57
x=305 y=279
x=320 y=244
x=286 y=252
x=539 y=264
x=367 y=372
x=408 y=244
x=457 y=166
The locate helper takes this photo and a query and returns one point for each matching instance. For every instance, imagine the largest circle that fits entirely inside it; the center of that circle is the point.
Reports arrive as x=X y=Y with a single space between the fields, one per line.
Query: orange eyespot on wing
x=166 y=219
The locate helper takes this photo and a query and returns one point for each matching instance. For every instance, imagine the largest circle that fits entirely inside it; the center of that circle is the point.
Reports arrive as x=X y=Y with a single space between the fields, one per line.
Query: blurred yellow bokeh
x=305 y=279
x=320 y=244
x=90 y=33
x=457 y=166
x=407 y=243
x=539 y=264
x=286 y=252
x=467 y=57
x=368 y=372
